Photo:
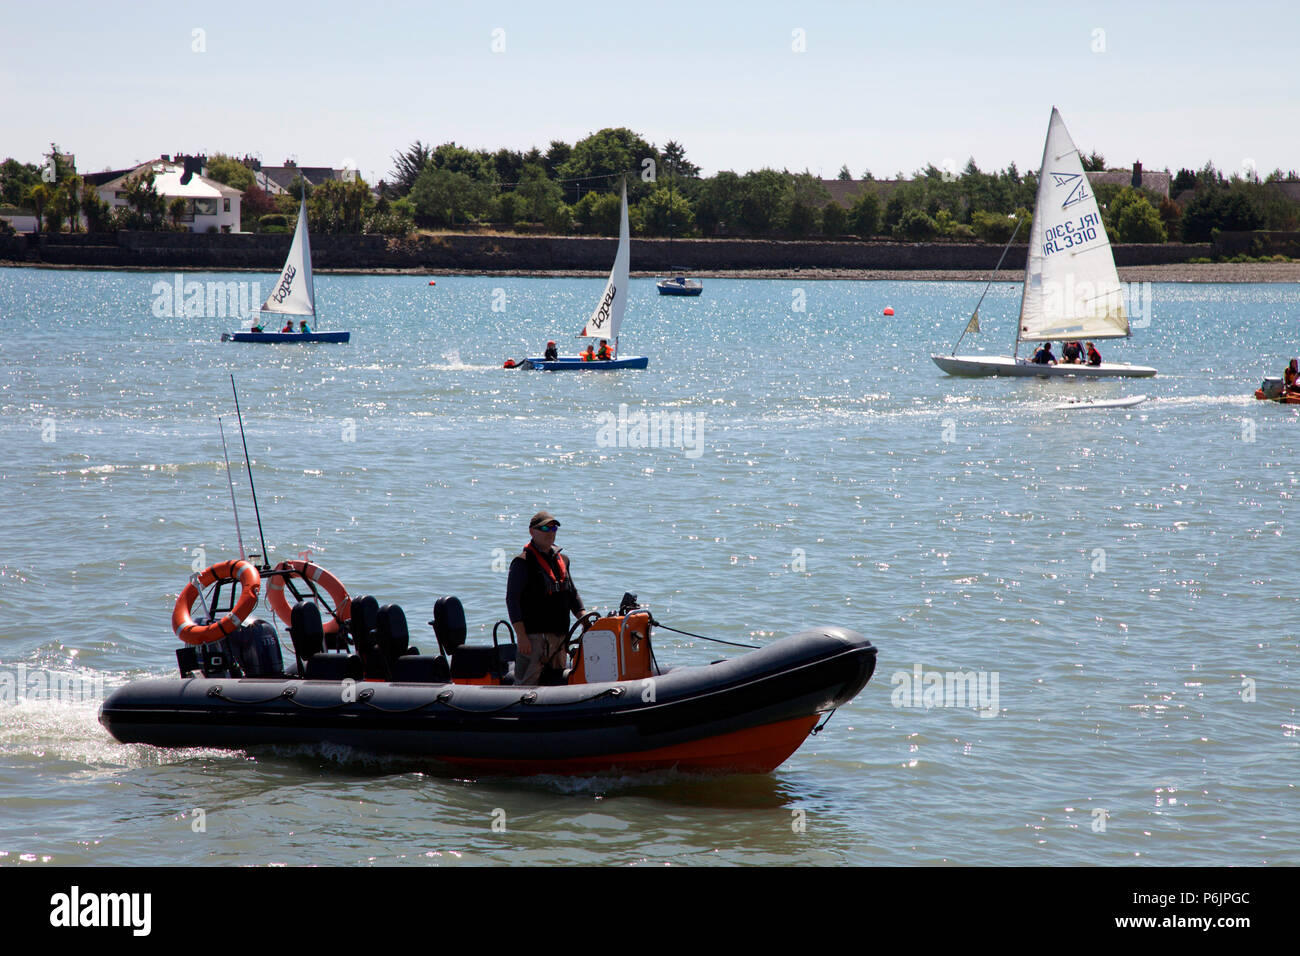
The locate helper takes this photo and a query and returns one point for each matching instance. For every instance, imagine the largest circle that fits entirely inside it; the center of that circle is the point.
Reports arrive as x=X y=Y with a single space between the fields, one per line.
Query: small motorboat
x=354 y=680
x=1273 y=390
x=679 y=285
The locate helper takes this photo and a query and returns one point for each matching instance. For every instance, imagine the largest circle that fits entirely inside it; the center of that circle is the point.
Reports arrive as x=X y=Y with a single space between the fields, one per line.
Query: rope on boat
x=818 y=729
x=716 y=640
x=366 y=695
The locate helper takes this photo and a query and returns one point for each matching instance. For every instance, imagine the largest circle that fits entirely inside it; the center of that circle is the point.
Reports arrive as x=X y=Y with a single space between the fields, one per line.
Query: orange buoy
x=312 y=572
x=250 y=585
x=889 y=310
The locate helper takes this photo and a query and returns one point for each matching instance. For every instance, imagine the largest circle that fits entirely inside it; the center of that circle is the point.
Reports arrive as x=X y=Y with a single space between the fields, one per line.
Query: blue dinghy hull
x=574 y=364
x=276 y=337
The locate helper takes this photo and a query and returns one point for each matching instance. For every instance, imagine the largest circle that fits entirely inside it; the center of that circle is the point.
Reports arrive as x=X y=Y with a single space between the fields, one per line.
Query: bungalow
x=210 y=206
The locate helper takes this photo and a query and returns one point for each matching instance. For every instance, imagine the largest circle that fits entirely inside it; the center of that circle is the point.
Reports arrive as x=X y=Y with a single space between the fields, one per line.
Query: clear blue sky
x=885 y=87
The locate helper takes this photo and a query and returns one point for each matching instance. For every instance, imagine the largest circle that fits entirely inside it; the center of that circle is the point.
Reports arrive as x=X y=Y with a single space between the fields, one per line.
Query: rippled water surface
x=1123 y=579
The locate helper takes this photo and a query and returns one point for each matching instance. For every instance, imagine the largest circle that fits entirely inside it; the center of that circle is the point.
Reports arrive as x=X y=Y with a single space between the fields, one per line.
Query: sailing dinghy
x=606 y=320
x=294 y=296
x=1080 y=403
x=1071 y=291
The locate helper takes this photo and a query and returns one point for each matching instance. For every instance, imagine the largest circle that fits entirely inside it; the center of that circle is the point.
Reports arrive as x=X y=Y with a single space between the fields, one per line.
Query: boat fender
x=250 y=584
x=316 y=576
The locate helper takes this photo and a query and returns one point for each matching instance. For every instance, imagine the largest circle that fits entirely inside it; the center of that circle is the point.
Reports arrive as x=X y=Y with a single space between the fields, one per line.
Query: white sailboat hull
x=983 y=365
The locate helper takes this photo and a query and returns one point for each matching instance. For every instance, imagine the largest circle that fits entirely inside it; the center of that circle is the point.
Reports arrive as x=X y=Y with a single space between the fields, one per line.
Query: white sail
x=1072 y=290
x=293 y=293
x=608 y=316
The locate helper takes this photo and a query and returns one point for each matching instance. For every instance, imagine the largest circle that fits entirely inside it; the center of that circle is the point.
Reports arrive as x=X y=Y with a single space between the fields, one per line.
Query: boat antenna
x=974 y=318
x=248 y=466
x=229 y=481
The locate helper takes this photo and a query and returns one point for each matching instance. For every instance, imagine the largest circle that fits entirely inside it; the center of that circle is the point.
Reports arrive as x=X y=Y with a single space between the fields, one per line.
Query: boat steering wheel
x=572 y=642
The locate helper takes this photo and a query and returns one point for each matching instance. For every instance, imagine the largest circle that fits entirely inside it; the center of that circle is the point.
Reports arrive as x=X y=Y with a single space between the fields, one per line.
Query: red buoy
x=889 y=310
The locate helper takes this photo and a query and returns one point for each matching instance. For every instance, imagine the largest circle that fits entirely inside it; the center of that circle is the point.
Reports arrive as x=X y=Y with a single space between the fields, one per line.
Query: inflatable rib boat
x=356 y=682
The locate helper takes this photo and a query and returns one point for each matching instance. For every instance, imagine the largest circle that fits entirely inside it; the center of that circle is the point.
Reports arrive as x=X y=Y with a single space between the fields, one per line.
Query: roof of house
x=167 y=182
x=1157 y=182
x=283 y=176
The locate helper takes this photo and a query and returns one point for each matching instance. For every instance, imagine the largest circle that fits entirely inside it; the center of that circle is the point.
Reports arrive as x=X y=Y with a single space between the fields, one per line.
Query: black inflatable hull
x=744 y=715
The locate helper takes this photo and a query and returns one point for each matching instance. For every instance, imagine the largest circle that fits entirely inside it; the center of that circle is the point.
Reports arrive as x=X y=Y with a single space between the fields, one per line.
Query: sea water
x=1086 y=620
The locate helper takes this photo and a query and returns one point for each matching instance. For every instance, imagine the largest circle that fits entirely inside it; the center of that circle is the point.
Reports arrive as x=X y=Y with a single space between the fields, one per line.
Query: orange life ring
x=314 y=572
x=250 y=584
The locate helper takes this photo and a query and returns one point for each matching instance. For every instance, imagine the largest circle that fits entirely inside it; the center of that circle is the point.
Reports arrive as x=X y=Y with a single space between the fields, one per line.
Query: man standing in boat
x=540 y=595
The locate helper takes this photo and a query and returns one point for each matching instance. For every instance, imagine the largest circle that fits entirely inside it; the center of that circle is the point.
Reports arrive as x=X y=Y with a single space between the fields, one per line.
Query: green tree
x=844 y=175
x=94 y=209
x=477 y=165
x=601 y=160
x=666 y=212
x=864 y=214
x=228 y=170
x=15 y=180
x=36 y=199
x=835 y=219
x=995 y=227
x=676 y=164
x=408 y=165
x=556 y=156
x=145 y=209
x=539 y=196
x=761 y=201
x=443 y=197
x=176 y=210
x=1140 y=222
x=598 y=213
x=718 y=204
x=801 y=206
x=1219 y=207
x=340 y=208
x=915 y=226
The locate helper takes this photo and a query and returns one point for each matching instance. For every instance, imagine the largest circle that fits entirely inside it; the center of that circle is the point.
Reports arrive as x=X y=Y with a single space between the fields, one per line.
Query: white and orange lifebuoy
x=250 y=584
x=317 y=575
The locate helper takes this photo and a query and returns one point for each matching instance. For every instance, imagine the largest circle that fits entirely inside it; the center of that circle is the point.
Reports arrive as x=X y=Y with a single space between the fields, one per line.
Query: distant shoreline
x=1207 y=272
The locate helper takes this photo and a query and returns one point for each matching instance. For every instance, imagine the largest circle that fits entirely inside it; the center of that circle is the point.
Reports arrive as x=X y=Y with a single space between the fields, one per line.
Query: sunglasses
x=547 y=528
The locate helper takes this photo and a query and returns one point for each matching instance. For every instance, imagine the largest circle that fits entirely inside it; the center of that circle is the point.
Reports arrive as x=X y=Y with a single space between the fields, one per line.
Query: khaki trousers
x=547 y=650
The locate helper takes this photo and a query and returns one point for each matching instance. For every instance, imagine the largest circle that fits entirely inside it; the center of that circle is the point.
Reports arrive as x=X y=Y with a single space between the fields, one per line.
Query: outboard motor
x=1270 y=388
x=210 y=660
x=256 y=649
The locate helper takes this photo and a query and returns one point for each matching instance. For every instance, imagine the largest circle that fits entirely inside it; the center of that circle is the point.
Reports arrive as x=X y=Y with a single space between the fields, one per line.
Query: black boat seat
x=330 y=665
x=488 y=665
x=393 y=637
x=449 y=624
x=306 y=631
x=364 y=627
x=422 y=669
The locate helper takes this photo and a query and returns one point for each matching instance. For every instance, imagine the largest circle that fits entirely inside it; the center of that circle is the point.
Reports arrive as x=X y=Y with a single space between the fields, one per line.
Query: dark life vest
x=548 y=592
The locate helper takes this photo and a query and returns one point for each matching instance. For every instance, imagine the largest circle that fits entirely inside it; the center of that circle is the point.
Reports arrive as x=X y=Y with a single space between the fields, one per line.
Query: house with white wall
x=210 y=206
